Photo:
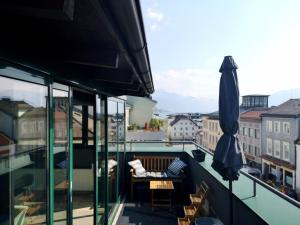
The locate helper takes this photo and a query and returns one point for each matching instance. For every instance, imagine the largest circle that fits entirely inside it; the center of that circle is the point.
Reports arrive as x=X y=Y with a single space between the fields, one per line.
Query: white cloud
x=199 y=83
x=155 y=15
x=155 y=18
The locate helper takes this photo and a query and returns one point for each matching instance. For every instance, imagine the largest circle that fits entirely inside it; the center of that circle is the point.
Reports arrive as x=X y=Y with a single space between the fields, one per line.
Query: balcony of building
x=254 y=202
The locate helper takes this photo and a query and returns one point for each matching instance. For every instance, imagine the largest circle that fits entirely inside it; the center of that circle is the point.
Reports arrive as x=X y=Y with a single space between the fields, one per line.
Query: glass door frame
x=55 y=85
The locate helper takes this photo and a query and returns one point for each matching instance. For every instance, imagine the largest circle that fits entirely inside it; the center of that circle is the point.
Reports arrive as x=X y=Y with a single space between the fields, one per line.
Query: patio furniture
x=192 y=211
x=156 y=165
x=199 y=155
x=162 y=185
x=201 y=193
x=20 y=214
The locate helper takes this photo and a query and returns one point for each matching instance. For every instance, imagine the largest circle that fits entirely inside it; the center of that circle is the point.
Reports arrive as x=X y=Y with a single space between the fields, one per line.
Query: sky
x=187 y=41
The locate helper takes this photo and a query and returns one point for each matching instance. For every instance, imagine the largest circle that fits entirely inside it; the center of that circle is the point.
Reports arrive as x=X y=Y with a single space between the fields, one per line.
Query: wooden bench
x=154 y=164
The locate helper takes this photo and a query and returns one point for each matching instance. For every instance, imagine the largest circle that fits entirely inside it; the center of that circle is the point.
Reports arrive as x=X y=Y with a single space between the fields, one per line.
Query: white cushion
x=111 y=164
x=135 y=163
x=138 y=167
x=140 y=170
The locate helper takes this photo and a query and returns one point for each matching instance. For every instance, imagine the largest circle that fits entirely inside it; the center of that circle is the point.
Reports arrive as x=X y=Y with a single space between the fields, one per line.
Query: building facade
x=211 y=131
x=254 y=101
x=183 y=128
x=250 y=136
x=280 y=130
x=141 y=110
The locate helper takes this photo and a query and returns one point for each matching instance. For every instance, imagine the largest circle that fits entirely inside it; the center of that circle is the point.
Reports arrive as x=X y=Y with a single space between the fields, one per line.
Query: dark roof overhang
x=98 y=43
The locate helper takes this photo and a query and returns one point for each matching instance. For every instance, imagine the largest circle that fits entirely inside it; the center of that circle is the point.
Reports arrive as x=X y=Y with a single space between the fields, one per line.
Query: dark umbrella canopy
x=228 y=157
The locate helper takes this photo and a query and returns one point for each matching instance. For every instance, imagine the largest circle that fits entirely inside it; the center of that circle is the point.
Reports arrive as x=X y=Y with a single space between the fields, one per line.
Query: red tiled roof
x=252 y=114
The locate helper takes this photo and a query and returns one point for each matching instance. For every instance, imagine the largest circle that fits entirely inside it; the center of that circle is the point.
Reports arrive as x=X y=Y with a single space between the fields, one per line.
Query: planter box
x=199 y=155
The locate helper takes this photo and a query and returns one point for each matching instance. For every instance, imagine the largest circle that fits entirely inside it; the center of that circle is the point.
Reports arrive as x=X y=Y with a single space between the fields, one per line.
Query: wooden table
x=62 y=185
x=161 y=185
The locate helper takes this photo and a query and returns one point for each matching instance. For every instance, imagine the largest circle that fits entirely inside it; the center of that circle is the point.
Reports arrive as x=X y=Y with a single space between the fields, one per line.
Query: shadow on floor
x=137 y=214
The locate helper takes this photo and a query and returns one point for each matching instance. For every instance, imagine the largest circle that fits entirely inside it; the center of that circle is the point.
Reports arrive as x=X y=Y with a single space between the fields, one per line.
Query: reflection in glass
x=61 y=152
x=77 y=124
x=101 y=158
x=23 y=152
x=121 y=145
x=112 y=153
x=83 y=159
x=90 y=125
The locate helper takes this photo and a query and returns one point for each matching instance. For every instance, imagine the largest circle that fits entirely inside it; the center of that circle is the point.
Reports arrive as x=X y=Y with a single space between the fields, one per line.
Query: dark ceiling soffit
x=103 y=59
x=108 y=60
x=59 y=9
x=122 y=21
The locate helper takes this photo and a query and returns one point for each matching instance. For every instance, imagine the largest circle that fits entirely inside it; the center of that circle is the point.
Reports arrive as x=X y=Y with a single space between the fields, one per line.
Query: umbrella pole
x=230 y=203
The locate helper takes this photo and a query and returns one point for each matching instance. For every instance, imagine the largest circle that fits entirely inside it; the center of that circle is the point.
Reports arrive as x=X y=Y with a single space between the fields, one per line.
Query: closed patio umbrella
x=228 y=157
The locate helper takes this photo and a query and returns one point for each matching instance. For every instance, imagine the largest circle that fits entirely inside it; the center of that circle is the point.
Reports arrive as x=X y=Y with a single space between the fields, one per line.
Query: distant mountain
x=174 y=103
x=281 y=96
x=168 y=103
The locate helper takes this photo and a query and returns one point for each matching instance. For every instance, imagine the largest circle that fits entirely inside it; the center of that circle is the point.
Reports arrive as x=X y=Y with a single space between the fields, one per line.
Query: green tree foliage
x=156 y=123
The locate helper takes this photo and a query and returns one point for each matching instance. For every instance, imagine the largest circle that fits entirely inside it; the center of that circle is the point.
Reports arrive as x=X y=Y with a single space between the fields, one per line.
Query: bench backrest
x=155 y=163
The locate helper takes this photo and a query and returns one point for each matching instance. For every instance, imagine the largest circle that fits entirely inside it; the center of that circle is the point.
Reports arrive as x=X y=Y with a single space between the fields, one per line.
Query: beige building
x=211 y=131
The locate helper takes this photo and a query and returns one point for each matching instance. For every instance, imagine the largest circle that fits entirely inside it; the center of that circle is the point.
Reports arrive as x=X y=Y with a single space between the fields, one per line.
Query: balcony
x=254 y=202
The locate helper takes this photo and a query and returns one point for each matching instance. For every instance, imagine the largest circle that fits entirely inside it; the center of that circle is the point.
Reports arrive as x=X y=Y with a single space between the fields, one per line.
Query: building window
x=257 y=133
x=277 y=127
x=192 y=134
x=186 y=128
x=174 y=134
x=244 y=147
x=286 y=151
x=269 y=146
x=245 y=133
x=174 y=128
x=251 y=132
x=186 y=134
x=250 y=149
x=256 y=151
x=286 y=127
x=269 y=126
x=288 y=179
x=180 y=128
x=180 y=134
x=193 y=128
x=277 y=149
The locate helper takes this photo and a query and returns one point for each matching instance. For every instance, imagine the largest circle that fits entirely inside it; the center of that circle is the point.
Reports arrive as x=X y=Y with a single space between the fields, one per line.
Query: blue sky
x=187 y=41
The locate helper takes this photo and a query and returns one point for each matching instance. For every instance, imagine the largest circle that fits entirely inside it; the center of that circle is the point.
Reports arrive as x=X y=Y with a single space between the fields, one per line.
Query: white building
x=141 y=110
x=183 y=128
x=298 y=168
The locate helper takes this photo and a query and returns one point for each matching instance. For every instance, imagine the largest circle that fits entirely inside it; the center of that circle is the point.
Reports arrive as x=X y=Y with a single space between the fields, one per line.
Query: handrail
x=254 y=179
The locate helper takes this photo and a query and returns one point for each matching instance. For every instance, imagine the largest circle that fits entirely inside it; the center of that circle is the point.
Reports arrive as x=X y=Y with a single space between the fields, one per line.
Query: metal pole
x=230 y=203
x=254 y=188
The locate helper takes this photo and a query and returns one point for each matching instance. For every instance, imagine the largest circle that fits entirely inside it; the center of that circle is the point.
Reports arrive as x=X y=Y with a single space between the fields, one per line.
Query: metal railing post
x=254 y=188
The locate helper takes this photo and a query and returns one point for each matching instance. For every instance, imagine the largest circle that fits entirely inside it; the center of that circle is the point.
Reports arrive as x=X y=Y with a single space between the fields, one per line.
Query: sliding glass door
x=23 y=151
x=84 y=152
x=102 y=159
x=61 y=155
